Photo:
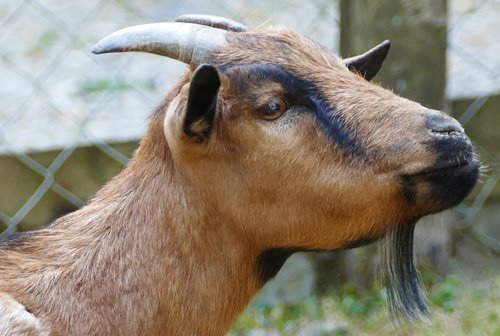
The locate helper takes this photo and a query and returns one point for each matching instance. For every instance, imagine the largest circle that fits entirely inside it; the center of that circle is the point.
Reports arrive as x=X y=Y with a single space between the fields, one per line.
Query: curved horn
x=186 y=42
x=369 y=63
x=213 y=21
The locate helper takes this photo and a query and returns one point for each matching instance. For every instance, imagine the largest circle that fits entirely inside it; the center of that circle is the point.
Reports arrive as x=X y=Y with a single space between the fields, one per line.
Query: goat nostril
x=446 y=130
x=444 y=126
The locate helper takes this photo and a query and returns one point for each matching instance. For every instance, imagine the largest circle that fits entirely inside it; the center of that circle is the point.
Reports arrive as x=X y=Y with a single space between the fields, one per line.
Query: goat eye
x=274 y=109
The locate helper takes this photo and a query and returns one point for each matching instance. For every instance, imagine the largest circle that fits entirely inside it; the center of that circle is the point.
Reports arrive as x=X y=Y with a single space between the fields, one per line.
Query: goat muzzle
x=455 y=170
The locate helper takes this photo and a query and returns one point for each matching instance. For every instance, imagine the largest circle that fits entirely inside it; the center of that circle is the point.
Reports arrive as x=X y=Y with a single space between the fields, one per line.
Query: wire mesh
x=58 y=97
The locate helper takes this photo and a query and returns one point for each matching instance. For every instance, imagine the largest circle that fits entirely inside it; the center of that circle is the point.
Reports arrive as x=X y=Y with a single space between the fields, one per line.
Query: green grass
x=458 y=307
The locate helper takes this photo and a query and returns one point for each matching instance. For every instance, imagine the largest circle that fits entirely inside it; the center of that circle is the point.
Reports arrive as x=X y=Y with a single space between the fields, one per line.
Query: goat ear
x=201 y=103
x=369 y=63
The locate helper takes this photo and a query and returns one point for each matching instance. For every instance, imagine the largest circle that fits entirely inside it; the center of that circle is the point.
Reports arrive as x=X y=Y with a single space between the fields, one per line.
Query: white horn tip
x=104 y=47
x=97 y=49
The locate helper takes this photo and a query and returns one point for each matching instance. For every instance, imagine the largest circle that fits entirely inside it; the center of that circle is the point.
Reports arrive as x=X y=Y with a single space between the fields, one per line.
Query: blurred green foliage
x=458 y=307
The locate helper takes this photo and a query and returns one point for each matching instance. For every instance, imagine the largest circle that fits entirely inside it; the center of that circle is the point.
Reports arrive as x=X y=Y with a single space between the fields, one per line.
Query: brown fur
x=169 y=246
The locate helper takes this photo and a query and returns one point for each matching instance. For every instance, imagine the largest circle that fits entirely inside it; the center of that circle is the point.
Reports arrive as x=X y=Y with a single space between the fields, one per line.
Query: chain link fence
x=69 y=120
x=473 y=90
x=58 y=99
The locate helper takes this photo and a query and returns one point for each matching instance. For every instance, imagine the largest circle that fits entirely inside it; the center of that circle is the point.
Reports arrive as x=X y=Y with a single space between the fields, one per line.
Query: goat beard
x=405 y=297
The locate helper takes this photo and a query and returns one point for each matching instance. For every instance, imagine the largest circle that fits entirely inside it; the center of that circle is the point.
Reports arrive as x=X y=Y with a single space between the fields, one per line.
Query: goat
x=269 y=144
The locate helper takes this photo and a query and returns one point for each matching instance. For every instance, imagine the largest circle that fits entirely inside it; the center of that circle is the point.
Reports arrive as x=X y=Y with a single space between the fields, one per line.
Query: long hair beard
x=404 y=294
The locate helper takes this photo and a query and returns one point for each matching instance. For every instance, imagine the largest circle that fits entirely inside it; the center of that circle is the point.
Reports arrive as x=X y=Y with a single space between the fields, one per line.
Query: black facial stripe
x=335 y=127
x=301 y=92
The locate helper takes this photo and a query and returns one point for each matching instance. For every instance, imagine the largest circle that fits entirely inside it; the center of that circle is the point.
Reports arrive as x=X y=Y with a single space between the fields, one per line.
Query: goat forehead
x=280 y=47
x=301 y=57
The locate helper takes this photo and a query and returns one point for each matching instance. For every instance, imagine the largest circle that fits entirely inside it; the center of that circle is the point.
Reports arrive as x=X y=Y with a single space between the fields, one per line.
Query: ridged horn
x=186 y=42
x=213 y=21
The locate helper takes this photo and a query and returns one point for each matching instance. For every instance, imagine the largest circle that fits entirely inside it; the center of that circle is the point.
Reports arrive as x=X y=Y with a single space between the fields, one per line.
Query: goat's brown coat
x=169 y=246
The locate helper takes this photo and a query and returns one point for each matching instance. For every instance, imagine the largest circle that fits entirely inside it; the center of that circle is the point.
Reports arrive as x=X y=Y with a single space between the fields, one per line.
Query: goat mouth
x=441 y=186
x=460 y=167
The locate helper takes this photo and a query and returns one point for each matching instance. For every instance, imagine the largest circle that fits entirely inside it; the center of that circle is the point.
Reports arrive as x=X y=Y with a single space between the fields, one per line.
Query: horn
x=186 y=42
x=369 y=63
x=213 y=21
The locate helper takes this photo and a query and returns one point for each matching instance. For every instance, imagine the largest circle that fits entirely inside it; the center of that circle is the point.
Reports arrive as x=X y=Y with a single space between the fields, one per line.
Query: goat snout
x=452 y=148
x=444 y=126
x=448 y=141
x=454 y=170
